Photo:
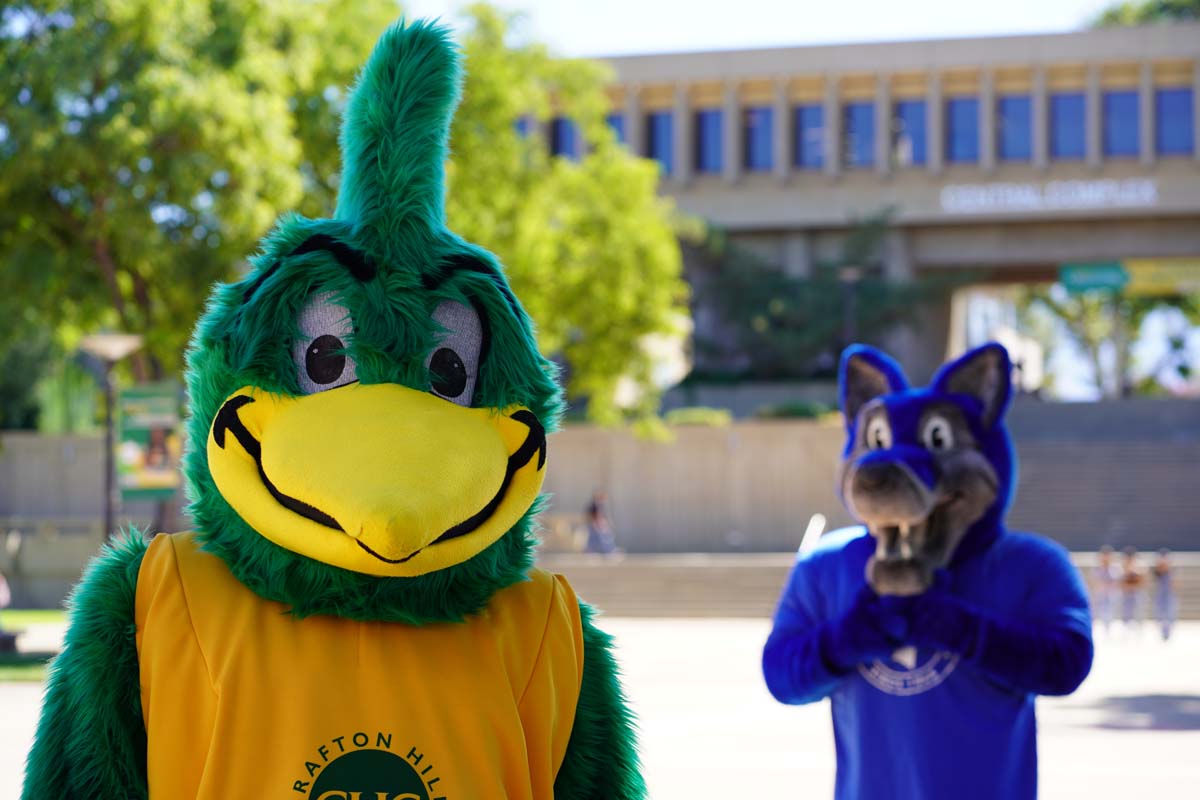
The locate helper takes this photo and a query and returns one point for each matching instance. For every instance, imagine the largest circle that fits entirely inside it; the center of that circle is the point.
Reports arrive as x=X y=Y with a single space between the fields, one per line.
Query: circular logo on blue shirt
x=904 y=674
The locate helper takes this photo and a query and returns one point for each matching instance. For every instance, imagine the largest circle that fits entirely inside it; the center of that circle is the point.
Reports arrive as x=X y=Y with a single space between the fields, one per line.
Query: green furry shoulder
x=91 y=741
x=601 y=762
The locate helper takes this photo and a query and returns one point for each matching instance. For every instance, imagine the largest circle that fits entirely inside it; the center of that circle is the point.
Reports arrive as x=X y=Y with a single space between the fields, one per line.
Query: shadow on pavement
x=1152 y=712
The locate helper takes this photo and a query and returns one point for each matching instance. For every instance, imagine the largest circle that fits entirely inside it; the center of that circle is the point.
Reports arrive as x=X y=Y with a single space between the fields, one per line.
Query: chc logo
x=336 y=795
x=349 y=768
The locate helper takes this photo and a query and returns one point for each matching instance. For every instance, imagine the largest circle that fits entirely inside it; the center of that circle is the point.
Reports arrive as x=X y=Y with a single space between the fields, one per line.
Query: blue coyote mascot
x=932 y=627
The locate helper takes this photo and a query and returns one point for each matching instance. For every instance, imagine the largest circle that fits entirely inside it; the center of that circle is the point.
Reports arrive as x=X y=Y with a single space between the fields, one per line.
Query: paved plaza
x=710 y=730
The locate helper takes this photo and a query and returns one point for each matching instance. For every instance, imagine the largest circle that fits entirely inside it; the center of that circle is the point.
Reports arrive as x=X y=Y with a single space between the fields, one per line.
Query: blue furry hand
x=873 y=627
x=1040 y=658
x=941 y=621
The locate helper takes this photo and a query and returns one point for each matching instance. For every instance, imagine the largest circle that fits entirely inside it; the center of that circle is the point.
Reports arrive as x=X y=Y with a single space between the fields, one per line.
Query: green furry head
x=388 y=260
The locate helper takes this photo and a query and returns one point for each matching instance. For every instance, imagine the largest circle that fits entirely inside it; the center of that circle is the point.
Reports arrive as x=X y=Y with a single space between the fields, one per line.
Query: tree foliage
x=1145 y=12
x=146 y=145
x=24 y=346
x=774 y=325
x=588 y=245
x=1106 y=327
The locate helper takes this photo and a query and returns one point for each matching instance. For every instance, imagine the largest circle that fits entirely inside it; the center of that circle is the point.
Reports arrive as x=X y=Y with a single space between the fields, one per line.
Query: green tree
x=1144 y=12
x=146 y=145
x=24 y=348
x=588 y=245
x=1106 y=327
x=774 y=325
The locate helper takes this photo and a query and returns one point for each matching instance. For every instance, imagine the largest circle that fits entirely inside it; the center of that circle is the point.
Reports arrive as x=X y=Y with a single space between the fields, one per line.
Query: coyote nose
x=875 y=477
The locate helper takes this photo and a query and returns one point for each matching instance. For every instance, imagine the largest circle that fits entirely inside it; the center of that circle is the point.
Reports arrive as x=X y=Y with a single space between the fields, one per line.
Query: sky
x=617 y=27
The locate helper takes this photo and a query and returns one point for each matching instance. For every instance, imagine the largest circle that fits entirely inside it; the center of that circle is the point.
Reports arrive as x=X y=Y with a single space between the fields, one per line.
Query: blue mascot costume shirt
x=932 y=685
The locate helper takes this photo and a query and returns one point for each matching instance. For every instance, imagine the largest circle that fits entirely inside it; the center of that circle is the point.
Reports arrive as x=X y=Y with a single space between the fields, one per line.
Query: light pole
x=109 y=348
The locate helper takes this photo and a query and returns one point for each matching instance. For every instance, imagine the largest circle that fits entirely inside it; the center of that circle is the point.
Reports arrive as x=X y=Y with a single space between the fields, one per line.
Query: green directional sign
x=1109 y=275
x=149 y=446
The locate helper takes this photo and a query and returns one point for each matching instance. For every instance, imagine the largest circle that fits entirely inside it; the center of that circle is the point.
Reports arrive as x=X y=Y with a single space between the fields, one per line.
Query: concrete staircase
x=741 y=585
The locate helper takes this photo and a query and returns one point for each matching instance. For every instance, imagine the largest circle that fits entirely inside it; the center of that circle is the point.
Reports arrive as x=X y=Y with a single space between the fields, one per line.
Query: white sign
x=989 y=198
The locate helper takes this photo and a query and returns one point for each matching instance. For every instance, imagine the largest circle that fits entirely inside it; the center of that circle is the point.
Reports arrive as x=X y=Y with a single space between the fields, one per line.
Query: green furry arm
x=91 y=742
x=601 y=759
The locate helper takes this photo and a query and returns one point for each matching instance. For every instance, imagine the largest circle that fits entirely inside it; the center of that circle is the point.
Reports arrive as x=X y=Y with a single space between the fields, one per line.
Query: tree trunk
x=1122 y=342
x=108 y=267
x=141 y=295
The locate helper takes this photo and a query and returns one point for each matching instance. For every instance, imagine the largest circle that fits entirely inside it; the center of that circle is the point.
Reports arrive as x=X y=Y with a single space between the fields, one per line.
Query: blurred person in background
x=1164 y=593
x=600 y=537
x=1105 y=580
x=1132 y=586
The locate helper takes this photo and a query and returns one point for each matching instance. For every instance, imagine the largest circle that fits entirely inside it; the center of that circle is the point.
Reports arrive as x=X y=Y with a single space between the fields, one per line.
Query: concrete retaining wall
x=1106 y=473
x=1089 y=474
x=746 y=585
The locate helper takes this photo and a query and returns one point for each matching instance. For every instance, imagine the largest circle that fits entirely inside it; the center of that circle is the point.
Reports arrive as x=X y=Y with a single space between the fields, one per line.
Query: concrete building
x=1004 y=158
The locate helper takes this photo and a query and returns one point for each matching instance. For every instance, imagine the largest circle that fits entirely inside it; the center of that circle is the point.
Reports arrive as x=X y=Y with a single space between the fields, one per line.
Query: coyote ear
x=984 y=373
x=866 y=373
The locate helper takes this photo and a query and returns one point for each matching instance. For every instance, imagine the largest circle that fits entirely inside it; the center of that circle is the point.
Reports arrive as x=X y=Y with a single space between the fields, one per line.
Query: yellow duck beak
x=378 y=479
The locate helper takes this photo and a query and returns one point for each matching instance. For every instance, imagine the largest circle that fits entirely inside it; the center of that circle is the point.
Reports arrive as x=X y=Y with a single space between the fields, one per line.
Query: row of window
x=1174 y=121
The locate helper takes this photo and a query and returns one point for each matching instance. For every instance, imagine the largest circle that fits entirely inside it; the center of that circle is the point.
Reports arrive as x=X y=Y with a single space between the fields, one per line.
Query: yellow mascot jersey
x=242 y=700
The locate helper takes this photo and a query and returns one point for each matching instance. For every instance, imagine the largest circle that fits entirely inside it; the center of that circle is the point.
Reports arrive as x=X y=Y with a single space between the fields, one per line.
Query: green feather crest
x=395 y=138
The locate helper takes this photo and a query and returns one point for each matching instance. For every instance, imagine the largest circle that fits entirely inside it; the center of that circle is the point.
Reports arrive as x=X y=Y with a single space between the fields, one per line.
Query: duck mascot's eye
x=324 y=361
x=453 y=363
x=320 y=350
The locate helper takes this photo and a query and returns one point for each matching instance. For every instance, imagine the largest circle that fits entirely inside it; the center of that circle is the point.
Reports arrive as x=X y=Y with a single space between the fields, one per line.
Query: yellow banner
x=1162 y=276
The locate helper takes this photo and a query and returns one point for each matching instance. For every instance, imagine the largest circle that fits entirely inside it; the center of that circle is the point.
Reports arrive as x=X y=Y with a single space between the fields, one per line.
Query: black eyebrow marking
x=354 y=260
x=465 y=262
x=266 y=273
x=459 y=262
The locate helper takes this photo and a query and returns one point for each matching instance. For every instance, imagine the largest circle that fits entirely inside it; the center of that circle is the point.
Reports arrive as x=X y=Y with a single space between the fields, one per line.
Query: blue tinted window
x=564 y=138
x=809 y=142
x=757 y=139
x=1014 y=128
x=1120 y=123
x=908 y=133
x=1067 y=123
x=659 y=139
x=1174 y=122
x=859 y=125
x=616 y=122
x=709 y=140
x=962 y=130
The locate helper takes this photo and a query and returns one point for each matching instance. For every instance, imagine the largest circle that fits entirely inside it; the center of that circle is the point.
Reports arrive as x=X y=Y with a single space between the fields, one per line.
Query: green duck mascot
x=357 y=615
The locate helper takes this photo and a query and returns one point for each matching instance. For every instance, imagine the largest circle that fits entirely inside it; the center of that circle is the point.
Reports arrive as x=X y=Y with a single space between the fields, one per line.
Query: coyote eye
x=879 y=433
x=937 y=435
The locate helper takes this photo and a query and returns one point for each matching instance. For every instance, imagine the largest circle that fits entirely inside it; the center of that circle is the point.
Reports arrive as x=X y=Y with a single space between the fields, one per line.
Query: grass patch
x=25 y=667
x=21 y=618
